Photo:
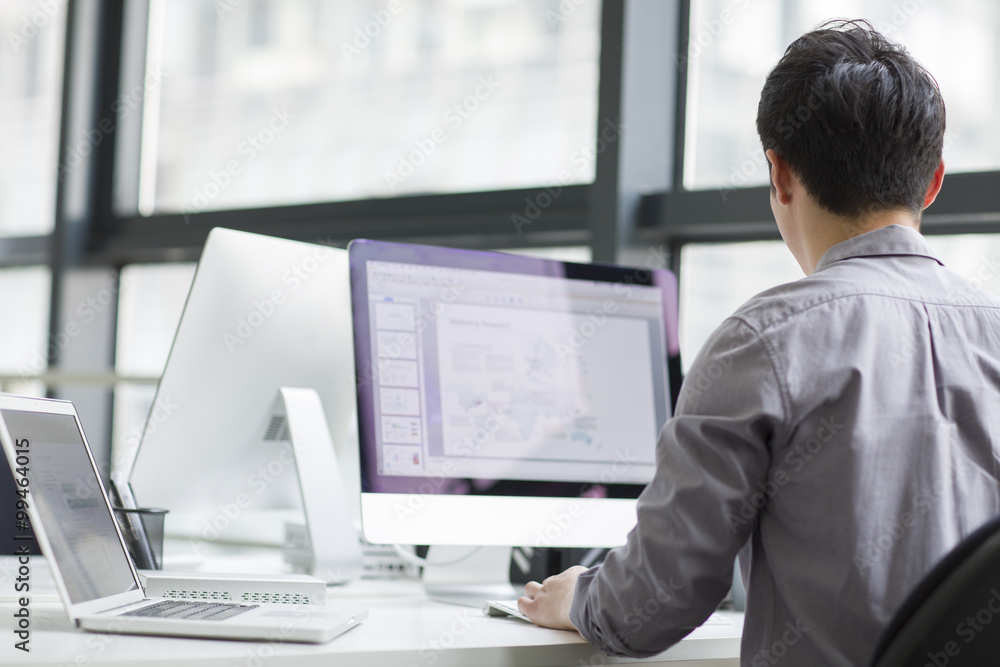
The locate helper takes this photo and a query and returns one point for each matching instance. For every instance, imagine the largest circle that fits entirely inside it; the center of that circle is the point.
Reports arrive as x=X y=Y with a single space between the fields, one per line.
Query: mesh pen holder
x=143 y=532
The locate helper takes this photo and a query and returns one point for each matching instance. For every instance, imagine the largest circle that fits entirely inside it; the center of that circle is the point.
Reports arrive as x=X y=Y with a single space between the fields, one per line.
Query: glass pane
x=975 y=257
x=716 y=279
x=734 y=43
x=265 y=102
x=149 y=308
x=24 y=329
x=30 y=93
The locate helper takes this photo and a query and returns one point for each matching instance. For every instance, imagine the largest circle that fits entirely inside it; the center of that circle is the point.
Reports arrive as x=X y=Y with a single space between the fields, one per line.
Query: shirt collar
x=889 y=240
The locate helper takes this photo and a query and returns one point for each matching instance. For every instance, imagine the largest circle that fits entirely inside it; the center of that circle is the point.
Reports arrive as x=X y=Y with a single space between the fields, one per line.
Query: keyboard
x=206 y=611
x=504 y=608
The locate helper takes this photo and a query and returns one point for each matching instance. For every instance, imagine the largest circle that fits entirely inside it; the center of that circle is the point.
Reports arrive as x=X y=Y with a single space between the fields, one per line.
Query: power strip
x=378 y=561
x=290 y=589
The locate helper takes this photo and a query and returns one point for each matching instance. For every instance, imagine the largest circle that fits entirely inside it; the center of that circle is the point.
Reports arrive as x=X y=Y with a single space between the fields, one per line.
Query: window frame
x=632 y=204
x=466 y=219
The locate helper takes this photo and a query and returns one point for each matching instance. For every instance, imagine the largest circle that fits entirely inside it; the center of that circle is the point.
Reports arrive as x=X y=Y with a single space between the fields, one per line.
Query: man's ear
x=781 y=177
x=935 y=187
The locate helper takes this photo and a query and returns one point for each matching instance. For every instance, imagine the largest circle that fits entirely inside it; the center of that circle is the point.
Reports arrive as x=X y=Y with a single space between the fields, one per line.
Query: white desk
x=404 y=629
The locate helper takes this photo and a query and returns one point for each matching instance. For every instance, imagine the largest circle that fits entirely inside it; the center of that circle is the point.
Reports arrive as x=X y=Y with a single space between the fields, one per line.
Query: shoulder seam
x=783 y=392
x=831 y=299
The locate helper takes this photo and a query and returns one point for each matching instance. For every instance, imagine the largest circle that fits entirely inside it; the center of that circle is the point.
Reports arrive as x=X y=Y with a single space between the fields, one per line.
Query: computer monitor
x=262 y=313
x=506 y=400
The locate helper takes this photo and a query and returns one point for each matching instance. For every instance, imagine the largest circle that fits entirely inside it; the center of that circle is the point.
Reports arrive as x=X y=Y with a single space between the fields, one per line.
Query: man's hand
x=547 y=603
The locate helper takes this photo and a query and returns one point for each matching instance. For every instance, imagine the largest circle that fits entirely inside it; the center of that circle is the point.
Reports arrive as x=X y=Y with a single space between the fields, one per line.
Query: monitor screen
x=497 y=380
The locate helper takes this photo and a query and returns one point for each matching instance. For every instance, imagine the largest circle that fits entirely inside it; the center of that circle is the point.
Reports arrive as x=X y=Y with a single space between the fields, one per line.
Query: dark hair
x=857 y=119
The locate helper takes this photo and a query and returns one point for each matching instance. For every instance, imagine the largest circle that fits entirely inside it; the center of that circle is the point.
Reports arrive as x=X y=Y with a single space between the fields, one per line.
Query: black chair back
x=953 y=616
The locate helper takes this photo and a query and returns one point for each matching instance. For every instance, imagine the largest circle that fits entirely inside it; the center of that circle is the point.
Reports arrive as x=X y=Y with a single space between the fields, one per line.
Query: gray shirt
x=841 y=433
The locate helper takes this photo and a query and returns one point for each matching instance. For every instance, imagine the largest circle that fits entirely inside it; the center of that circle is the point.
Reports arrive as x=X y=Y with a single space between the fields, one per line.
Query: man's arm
x=693 y=516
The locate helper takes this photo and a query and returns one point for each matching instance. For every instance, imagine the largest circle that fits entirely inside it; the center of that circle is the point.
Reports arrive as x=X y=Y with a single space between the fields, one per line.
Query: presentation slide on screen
x=529 y=384
x=396 y=344
x=397 y=316
x=394 y=401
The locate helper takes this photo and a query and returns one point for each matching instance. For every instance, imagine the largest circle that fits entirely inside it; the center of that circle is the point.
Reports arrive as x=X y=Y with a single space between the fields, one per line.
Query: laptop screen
x=69 y=499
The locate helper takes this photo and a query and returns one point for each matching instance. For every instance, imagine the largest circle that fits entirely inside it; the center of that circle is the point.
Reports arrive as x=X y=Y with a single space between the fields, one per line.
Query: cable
x=423 y=562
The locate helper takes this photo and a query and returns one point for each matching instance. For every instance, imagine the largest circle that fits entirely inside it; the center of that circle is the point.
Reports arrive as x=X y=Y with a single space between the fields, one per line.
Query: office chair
x=952 y=617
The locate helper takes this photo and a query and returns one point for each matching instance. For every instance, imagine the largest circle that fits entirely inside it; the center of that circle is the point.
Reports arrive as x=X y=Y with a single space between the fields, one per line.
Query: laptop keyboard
x=206 y=611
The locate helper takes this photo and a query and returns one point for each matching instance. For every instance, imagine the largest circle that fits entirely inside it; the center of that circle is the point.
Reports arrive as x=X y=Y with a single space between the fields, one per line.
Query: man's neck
x=826 y=230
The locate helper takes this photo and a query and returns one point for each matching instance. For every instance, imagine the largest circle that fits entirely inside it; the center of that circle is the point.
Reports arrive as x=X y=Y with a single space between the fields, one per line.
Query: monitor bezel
x=378 y=506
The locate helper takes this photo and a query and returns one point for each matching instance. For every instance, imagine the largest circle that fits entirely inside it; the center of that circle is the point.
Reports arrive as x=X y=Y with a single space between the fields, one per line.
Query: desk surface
x=404 y=629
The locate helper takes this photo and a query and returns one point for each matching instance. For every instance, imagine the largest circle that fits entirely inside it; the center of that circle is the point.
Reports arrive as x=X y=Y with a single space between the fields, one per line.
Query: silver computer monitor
x=507 y=400
x=262 y=313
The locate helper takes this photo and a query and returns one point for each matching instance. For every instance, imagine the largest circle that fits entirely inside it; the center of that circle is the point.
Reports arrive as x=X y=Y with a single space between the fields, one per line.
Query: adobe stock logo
x=779 y=648
x=794 y=461
x=30 y=25
x=363 y=35
x=455 y=116
x=263 y=308
x=218 y=180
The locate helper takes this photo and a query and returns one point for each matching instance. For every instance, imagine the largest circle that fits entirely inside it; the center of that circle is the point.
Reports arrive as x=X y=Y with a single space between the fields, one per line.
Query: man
x=850 y=435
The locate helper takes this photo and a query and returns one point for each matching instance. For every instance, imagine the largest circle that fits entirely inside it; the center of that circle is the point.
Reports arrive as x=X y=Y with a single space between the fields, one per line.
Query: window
x=150 y=304
x=734 y=43
x=30 y=92
x=265 y=103
x=975 y=257
x=24 y=302
x=717 y=278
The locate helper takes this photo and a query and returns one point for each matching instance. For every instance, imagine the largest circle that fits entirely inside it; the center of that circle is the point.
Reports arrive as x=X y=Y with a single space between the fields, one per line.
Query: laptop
x=69 y=511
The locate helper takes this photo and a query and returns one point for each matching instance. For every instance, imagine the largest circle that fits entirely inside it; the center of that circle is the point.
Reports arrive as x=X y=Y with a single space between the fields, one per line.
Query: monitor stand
x=329 y=546
x=469 y=575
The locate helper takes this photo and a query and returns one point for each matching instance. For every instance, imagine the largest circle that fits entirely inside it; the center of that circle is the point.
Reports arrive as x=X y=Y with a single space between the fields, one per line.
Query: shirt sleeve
x=696 y=514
